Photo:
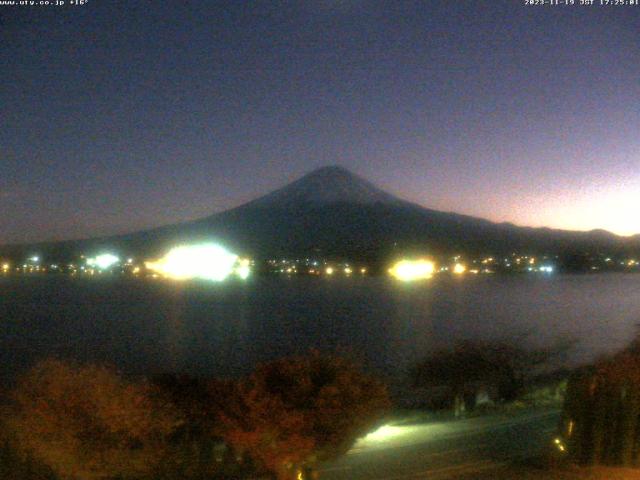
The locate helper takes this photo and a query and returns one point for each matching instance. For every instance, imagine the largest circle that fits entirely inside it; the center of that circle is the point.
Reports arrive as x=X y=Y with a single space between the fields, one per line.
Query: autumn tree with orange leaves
x=295 y=411
x=86 y=422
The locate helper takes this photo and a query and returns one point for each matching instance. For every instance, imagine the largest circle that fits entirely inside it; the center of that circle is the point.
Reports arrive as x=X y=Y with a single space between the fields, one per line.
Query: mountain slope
x=332 y=212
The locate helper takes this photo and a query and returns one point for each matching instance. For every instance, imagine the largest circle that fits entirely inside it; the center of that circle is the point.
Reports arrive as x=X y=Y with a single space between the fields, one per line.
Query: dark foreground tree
x=601 y=417
x=86 y=422
x=472 y=365
x=197 y=450
x=292 y=412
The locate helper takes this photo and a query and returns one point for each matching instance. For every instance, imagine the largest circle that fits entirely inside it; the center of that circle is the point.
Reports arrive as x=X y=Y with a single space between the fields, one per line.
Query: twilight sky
x=121 y=115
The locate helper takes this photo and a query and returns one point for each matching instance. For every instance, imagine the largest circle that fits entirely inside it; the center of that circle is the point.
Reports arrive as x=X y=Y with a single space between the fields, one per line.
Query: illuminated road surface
x=446 y=450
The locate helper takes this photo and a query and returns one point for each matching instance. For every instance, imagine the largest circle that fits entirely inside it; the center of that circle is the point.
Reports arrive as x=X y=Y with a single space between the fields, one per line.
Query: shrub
x=298 y=410
x=197 y=449
x=470 y=365
x=86 y=422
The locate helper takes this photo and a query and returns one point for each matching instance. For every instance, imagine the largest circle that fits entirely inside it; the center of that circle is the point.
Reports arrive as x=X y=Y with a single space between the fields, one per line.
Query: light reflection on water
x=224 y=329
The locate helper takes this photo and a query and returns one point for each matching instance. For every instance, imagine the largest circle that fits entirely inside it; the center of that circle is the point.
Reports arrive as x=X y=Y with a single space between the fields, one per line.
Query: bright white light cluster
x=206 y=261
x=409 y=270
x=103 y=261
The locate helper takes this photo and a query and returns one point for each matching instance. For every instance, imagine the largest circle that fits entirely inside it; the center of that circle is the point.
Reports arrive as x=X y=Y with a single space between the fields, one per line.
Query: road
x=446 y=450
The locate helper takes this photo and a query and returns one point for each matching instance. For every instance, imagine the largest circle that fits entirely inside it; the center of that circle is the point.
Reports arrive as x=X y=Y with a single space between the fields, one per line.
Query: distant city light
x=546 y=269
x=35 y=259
x=410 y=270
x=103 y=261
x=243 y=269
x=204 y=261
x=459 y=268
x=329 y=271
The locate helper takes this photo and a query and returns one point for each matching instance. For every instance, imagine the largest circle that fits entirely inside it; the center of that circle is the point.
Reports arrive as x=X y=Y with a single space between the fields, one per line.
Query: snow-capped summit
x=324 y=186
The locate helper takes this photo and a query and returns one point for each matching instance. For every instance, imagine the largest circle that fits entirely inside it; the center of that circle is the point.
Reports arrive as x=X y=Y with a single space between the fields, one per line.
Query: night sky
x=117 y=116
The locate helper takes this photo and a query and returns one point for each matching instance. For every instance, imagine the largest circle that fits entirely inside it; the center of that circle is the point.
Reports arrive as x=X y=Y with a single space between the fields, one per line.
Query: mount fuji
x=332 y=212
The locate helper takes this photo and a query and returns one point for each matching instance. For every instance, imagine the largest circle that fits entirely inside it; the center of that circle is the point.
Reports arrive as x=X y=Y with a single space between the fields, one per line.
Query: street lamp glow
x=397 y=435
x=385 y=432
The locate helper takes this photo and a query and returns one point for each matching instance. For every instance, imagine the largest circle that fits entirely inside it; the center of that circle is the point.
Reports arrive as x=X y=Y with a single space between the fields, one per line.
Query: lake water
x=146 y=326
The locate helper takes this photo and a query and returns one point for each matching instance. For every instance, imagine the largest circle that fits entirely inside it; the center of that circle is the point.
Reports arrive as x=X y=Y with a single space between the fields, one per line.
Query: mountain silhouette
x=332 y=212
